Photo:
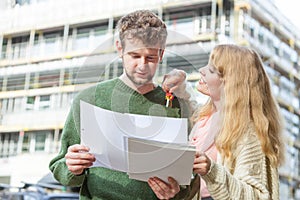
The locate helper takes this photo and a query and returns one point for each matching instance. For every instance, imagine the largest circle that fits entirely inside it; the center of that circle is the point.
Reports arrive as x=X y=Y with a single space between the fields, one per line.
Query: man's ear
x=162 y=51
x=119 y=48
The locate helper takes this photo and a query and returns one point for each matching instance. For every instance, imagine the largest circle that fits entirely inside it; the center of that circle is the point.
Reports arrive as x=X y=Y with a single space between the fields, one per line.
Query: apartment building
x=51 y=49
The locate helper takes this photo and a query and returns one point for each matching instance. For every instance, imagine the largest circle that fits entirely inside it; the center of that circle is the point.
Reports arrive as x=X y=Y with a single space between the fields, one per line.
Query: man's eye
x=152 y=58
x=135 y=57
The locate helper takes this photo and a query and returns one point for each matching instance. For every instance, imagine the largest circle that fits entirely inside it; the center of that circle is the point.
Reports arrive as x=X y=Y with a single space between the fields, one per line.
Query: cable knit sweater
x=249 y=177
x=98 y=182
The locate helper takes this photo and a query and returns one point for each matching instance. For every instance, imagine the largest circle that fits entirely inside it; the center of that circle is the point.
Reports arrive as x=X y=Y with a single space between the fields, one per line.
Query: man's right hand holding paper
x=78 y=158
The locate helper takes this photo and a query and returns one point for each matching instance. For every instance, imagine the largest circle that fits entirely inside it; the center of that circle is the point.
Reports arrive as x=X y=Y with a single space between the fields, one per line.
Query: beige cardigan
x=250 y=177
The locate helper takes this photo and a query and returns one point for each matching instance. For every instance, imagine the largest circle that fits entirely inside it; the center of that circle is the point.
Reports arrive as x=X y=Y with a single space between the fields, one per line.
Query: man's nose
x=143 y=60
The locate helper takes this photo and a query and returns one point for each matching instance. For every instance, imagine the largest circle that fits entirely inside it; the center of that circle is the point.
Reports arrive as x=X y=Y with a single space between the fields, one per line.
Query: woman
x=247 y=127
x=240 y=127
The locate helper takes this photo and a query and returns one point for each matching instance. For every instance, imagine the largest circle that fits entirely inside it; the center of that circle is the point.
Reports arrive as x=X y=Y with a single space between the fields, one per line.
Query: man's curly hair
x=143 y=26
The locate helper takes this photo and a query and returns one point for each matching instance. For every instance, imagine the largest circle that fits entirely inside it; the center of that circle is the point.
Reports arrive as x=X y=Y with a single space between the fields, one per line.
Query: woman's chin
x=202 y=89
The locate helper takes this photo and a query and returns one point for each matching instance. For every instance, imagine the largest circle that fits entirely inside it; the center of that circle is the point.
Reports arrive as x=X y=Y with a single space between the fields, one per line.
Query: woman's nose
x=201 y=70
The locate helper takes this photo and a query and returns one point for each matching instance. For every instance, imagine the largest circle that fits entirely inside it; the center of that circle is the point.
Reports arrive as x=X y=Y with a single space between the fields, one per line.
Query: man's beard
x=139 y=82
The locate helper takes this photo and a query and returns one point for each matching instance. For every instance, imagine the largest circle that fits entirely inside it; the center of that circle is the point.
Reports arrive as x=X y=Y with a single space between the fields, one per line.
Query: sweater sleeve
x=249 y=179
x=70 y=136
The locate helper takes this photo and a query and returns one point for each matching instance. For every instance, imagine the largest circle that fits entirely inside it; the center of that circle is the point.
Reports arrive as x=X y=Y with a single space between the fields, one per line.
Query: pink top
x=201 y=139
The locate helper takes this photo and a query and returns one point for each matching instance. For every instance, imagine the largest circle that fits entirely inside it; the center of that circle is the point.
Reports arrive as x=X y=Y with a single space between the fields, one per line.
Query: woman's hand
x=202 y=163
x=162 y=189
x=173 y=80
x=78 y=158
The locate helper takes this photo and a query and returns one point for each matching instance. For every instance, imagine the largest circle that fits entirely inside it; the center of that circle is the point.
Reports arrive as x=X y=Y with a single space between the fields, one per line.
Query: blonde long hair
x=247 y=99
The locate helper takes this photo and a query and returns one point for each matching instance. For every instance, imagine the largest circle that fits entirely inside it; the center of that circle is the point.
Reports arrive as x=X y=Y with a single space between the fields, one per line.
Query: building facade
x=50 y=50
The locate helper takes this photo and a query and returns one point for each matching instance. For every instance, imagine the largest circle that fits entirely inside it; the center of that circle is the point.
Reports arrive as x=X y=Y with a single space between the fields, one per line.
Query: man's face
x=140 y=63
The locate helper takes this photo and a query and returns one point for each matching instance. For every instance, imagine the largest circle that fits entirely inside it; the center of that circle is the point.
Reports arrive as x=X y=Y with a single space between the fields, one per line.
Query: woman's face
x=210 y=82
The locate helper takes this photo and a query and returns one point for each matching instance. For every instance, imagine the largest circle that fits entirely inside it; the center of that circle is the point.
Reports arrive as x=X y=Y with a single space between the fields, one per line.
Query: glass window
x=70 y=76
x=40 y=138
x=1 y=83
x=44 y=102
x=26 y=142
x=48 y=78
x=18 y=104
x=261 y=36
x=33 y=83
x=36 y=49
x=15 y=82
x=19 y=47
x=3 y=105
x=90 y=74
x=22 y=2
x=52 y=43
x=8 y=144
x=30 y=103
x=4 y=48
x=82 y=39
x=100 y=34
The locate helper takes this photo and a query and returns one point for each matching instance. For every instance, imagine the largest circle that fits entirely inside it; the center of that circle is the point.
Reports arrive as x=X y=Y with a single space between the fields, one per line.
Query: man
x=141 y=44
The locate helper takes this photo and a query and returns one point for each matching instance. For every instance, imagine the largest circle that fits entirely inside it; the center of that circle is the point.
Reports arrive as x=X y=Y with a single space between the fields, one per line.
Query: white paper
x=149 y=159
x=104 y=132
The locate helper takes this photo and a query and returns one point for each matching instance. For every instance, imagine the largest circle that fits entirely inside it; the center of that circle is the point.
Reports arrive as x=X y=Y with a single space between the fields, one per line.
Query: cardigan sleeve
x=249 y=177
x=70 y=136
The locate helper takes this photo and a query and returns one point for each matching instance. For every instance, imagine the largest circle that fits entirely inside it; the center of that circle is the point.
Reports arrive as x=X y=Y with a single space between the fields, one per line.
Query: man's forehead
x=134 y=46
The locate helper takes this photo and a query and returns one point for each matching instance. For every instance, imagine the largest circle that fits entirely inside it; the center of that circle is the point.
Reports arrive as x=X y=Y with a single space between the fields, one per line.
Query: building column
x=55 y=146
x=31 y=43
x=20 y=142
x=65 y=38
x=9 y=53
x=1 y=44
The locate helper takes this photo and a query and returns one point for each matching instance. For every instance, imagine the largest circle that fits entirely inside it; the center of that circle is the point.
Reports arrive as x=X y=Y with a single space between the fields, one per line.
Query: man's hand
x=78 y=158
x=162 y=189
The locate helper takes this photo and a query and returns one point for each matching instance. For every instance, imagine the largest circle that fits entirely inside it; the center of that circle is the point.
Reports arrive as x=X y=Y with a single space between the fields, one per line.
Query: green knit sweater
x=98 y=182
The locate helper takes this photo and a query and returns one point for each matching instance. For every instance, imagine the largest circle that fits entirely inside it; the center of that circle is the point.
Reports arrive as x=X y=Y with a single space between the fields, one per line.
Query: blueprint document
x=106 y=133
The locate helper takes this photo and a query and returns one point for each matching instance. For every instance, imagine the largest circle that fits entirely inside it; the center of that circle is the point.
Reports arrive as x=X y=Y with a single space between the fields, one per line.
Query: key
x=169 y=98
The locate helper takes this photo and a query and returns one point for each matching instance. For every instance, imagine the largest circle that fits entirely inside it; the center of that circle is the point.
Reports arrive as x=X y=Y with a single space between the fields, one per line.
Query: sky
x=290 y=8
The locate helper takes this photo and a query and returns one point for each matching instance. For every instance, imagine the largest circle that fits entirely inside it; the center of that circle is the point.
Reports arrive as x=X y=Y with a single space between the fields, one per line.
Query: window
x=4 y=49
x=30 y=103
x=15 y=82
x=19 y=47
x=40 y=138
x=82 y=39
x=53 y=43
x=22 y=2
x=70 y=76
x=99 y=36
x=44 y=102
x=89 y=38
x=35 y=140
x=90 y=74
x=8 y=144
x=48 y=78
x=36 y=49
x=26 y=142
x=1 y=83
